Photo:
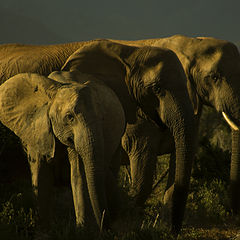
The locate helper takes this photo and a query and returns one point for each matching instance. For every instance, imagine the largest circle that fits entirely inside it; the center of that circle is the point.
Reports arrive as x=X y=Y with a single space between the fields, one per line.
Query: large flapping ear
x=101 y=58
x=24 y=104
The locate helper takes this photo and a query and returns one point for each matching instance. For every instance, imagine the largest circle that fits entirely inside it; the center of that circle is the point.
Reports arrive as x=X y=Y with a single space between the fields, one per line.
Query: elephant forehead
x=68 y=98
x=70 y=92
x=164 y=75
x=209 y=63
x=151 y=73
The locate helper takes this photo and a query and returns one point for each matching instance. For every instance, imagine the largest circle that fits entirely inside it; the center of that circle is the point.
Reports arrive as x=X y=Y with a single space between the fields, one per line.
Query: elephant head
x=212 y=67
x=153 y=80
x=39 y=110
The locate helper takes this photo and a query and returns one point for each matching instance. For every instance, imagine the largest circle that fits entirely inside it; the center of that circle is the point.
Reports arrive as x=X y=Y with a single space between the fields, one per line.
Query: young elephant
x=86 y=117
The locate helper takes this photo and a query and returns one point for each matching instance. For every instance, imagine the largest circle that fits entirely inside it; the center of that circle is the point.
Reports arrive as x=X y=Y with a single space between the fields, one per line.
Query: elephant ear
x=193 y=97
x=101 y=58
x=24 y=105
x=67 y=77
x=189 y=63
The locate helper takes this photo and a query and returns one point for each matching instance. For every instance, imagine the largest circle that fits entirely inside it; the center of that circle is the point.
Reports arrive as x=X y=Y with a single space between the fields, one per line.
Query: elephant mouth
x=230 y=122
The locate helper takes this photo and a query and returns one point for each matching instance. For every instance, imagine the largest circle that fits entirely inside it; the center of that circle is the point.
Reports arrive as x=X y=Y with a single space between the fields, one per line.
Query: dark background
x=51 y=21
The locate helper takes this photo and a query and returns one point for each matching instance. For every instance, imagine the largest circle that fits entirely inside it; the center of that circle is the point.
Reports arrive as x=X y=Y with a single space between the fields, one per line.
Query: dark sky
x=57 y=21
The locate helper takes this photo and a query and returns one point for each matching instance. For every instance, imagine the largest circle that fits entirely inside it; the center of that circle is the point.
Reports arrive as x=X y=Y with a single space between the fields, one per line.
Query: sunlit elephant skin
x=151 y=86
x=18 y=58
x=42 y=59
x=87 y=118
x=212 y=67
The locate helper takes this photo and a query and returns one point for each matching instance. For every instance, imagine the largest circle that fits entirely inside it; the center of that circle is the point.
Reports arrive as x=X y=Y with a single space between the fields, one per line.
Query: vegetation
x=207 y=214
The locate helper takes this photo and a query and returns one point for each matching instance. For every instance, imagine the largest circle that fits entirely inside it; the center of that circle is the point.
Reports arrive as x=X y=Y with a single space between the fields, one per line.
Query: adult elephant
x=151 y=86
x=87 y=118
x=212 y=67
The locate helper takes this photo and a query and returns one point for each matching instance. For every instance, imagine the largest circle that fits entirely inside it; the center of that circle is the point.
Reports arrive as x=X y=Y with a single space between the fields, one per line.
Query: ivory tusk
x=230 y=123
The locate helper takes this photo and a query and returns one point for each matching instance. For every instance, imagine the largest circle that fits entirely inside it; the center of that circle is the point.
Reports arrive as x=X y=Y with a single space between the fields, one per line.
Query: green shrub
x=15 y=219
x=211 y=162
x=208 y=202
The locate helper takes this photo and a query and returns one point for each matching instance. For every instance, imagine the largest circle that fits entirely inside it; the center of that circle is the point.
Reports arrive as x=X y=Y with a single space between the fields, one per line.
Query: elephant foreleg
x=171 y=178
x=42 y=181
x=112 y=190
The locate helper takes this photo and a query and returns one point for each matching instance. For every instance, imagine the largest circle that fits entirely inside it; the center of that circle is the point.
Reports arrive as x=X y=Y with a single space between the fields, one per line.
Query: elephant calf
x=86 y=117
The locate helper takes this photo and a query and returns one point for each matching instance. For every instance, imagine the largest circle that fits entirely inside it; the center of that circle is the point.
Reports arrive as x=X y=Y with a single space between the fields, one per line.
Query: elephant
x=22 y=58
x=16 y=58
x=86 y=118
x=151 y=85
x=212 y=68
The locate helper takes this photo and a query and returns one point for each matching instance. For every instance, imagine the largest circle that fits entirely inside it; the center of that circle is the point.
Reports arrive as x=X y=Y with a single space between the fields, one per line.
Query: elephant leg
x=116 y=161
x=168 y=194
x=112 y=190
x=113 y=195
x=81 y=199
x=42 y=181
x=171 y=178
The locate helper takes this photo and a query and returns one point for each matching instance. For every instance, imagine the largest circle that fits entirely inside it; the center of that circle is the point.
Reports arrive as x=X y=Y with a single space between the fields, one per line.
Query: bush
x=15 y=219
x=211 y=162
x=208 y=203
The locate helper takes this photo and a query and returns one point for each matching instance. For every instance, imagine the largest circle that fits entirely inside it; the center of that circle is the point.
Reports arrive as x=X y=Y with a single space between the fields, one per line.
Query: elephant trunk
x=184 y=158
x=90 y=146
x=181 y=123
x=232 y=117
x=235 y=172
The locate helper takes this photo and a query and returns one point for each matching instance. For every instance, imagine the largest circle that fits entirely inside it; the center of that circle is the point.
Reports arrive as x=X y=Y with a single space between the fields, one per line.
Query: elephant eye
x=70 y=140
x=69 y=117
x=215 y=77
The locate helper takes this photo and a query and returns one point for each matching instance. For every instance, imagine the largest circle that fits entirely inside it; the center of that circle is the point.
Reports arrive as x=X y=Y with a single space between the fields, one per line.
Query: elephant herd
x=104 y=99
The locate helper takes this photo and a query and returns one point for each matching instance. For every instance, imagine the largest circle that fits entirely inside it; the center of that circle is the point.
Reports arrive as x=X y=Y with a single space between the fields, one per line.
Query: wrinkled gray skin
x=42 y=59
x=164 y=70
x=151 y=86
x=87 y=118
x=212 y=67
